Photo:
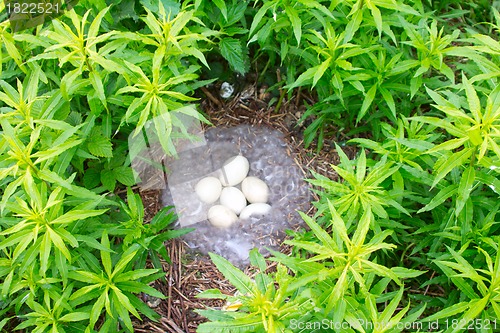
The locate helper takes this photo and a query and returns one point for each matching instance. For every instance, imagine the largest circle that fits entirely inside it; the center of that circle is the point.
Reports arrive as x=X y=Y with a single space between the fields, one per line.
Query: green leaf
x=222 y=7
x=472 y=99
x=321 y=70
x=135 y=275
x=448 y=164
x=212 y=294
x=124 y=175
x=77 y=214
x=361 y=167
x=377 y=17
x=419 y=145
x=358 y=239
x=415 y=84
x=92 y=178
x=96 y=81
x=55 y=151
x=125 y=302
x=237 y=325
x=296 y=22
x=105 y=256
x=108 y=180
x=91 y=242
x=369 y=97
x=312 y=247
x=386 y=315
x=304 y=78
x=171 y=7
x=239 y=279
x=233 y=52
x=67 y=83
x=4 y=321
x=59 y=243
x=320 y=233
x=464 y=188
x=448 y=312
x=476 y=306
x=339 y=290
x=6 y=284
x=353 y=25
x=406 y=273
x=260 y=15
x=96 y=310
x=489 y=180
x=382 y=271
x=126 y=258
x=464 y=286
x=75 y=316
x=444 y=194
x=448 y=145
x=380 y=172
x=441 y=123
x=389 y=100
x=99 y=145
x=257 y=260
x=370 y=144
x=142 y=307
x=125 y=10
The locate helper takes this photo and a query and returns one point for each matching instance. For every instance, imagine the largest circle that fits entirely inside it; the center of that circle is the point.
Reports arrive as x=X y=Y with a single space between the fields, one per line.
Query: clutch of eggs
x=232 y=201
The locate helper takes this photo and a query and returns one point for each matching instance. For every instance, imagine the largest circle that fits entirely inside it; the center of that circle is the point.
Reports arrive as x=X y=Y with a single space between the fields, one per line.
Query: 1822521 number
x=32 y=8
x=482 y=324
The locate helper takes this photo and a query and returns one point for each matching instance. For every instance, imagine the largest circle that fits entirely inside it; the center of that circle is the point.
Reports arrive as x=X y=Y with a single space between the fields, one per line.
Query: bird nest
x=190 y=273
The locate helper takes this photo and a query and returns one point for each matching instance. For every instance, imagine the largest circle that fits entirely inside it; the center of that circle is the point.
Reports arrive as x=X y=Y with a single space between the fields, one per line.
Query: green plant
x=484 y=293
x=150 y=236
x=112 y=286
x=72 y=253
x=161 y=94
x=228 y=20
x=349 y=256
x=476 y=134
x=408 y=235
x=54 y=313
x=78 y=47
x=432 y=46
x=361 y=191
x=260 y=305
x=329 y=284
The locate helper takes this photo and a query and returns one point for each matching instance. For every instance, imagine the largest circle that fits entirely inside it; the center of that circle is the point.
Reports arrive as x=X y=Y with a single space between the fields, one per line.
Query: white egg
x=234 y=170
x=255 y=209
x=255 y=190
x=233 y=199
x=208 y=189
x=221 y=216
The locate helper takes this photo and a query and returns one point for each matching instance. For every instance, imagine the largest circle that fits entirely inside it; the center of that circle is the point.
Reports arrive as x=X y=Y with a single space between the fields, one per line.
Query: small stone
x=226 y=90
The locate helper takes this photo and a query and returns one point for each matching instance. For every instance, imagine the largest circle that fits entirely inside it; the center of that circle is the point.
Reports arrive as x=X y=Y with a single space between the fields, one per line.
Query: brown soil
x=186 y=275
